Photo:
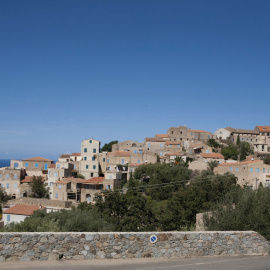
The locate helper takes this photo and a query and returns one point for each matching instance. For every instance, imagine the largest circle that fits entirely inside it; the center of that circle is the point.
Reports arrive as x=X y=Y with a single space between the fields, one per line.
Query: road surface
x=206 y=263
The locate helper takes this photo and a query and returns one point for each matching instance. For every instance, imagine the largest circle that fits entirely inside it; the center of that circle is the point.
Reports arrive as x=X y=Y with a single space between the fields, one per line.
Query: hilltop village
x=79 y=176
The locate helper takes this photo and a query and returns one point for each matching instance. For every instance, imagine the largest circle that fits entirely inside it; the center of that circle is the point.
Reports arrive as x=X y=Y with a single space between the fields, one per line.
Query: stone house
x=155 y=145
x=37 y=165
x=68 y=189
x=126 y=145
x=207 y=157
x=249 y=173
x=25 y=185
x=19 y=212
x=89 y=165
x=10 y=180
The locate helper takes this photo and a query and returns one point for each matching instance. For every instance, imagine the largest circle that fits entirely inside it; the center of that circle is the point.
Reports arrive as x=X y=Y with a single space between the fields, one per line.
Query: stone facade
x=88 y=246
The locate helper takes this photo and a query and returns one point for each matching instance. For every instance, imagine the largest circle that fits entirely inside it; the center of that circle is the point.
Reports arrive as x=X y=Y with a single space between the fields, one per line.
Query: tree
x=211 y=142
x=212 y=164
x=266 y=159
x=242 y=210
x=231 y=151
x=108 y=146
x=238 y=142
x=38 y=187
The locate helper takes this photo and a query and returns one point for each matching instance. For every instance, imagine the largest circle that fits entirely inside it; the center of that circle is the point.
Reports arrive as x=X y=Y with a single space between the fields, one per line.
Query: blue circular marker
x=153 y=239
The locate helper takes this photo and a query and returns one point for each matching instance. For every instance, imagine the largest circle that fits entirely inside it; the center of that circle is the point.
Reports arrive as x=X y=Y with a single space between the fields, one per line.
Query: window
x=230 y=169
x=104 y=159
x=108 y=160
x=85 y=150
x=178 y=145
x=267 y=183
x=8 y=217
x=15 y=186
x=208 y=137
x=90 y=141
x=135 y=151
x=55 y=174
x=196 y=136
x=236 y=169
x=0 y=176
x=58 y=166
x=207 y=151
x=93 y=158
x=161 y=154
x=56 y=195
x=51 y=183
x=131 y=170
x=148 y=145
x=7 y=185
x=85 y=158
x=15 y=176
x=7 y=176
x=138 y=161
x=86 y=167
x=122 y=161
x=140 y=151
x=94 y=167
x=263 y=170
x=191 y=133
x=94 y=150
x=201 y=136
x=161 y=145
x=59 y=186
x=26 y=164
x=251 y=169
x=258 y=170
x=36 y=165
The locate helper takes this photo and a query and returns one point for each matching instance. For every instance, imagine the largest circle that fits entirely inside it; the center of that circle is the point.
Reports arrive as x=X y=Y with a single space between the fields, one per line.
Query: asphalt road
x=209 y=263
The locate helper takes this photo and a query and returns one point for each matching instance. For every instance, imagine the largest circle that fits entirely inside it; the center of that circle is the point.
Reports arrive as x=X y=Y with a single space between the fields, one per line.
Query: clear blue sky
x=71 y=70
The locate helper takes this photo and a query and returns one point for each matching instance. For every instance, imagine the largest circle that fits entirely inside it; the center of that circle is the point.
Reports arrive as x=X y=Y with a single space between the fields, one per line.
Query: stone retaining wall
x=87 y=246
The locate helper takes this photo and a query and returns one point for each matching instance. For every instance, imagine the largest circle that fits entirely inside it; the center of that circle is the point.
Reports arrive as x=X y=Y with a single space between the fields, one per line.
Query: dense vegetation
x=158 y=197
x=108 y=146
x=242 y=209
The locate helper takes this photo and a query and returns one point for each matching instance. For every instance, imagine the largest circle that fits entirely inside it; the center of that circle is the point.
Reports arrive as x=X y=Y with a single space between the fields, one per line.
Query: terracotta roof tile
x=264 y=128
x=154 y=140
x=212 y=155
x=241 y=163
x=94 y=180
x=172 y=143
x=64 y=156
x=174 y=154
x=199 y=131
x=118 y=154
x=134 y=164
x=52 y=166
x=76 y=154
x=162 y=135
x=29 y=179
x=73 y=180
x=242 y=131
x=37 y=159
x=26 y=210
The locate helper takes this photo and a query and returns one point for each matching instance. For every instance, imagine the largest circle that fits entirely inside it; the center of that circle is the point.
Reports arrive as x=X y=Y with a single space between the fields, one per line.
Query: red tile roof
x=199 y=131
x=134 y=164
x=62 y=182
x=37 y=159
x=72 y=179
x=94 y=180
x=29 y=179
x=264 y=128
x=212 y=155
x=154 y=140
x=64 y=156
x=26 y=210
x=76 y=154
x=162 y=135
x=241 y=163
x=118 y=154
x=173 y=143
x=52 y=166
x=175 y=154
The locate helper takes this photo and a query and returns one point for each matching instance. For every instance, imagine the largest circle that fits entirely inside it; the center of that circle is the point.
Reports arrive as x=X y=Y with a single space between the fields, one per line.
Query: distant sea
x=4 y=163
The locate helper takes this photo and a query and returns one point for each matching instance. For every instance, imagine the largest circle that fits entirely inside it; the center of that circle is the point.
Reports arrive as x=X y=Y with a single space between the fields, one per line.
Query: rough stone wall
x=43 y=202
x=87 y=246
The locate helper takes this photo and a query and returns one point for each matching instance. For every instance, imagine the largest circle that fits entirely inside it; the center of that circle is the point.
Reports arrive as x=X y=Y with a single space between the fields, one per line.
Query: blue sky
x=71 y=70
